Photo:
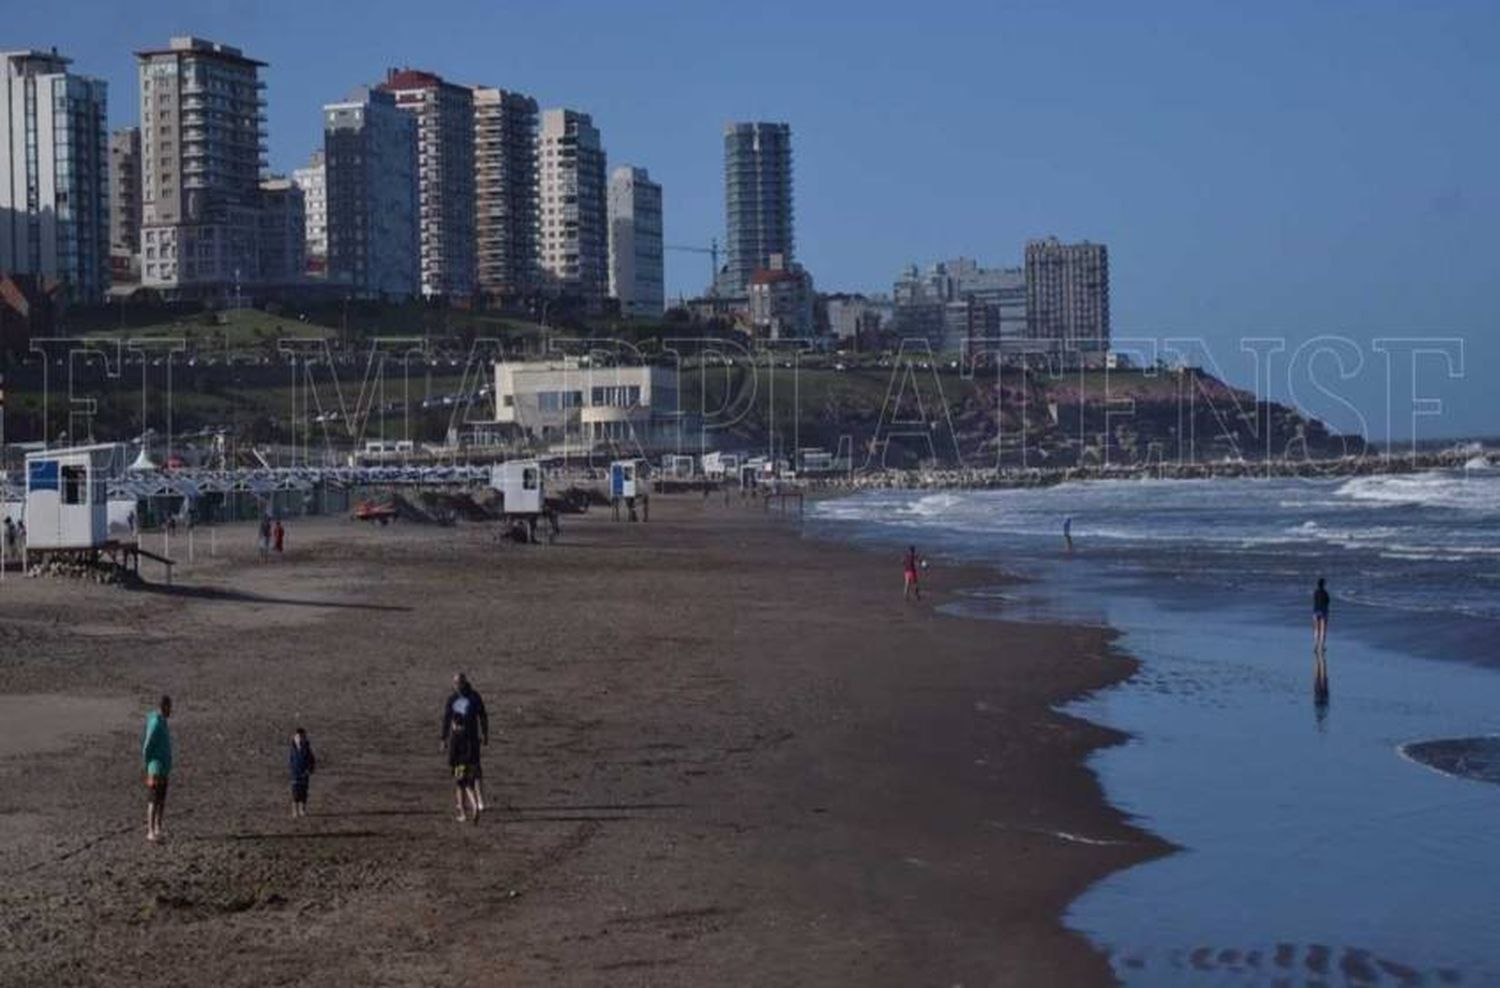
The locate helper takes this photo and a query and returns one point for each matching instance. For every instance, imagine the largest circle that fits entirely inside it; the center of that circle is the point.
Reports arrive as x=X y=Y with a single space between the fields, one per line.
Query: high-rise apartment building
x=507 y=204
x=444 y=113
x=1067 y=293
x=370 y=161
x=125 y=193
x=757 y=200
x=313 y=181
x=202 y=149
x=635 y=245
x=574 y=217
x=54 y=191
x=281 y=237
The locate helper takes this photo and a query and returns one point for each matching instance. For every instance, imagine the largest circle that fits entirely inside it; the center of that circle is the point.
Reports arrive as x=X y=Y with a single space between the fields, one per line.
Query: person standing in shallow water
x=1321 y=600
x=1068 y=533
x=156 y=756
x=910 y=564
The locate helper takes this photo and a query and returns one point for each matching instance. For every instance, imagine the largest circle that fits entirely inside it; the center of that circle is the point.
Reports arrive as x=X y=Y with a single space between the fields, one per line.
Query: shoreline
x=725 y=753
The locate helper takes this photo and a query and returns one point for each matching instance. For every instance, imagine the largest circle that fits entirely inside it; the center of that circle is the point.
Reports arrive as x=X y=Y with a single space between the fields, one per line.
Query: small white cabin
x=67 y=501
x=676 y=466
x=627 y=478
x=717 y=466
x=522 y=489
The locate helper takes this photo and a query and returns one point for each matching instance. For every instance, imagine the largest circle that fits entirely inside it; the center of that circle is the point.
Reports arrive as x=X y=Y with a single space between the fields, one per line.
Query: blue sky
x=1271 y=169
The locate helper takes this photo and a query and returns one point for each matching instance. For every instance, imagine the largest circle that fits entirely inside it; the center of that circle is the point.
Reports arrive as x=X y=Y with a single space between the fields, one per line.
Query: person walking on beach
x=301 y=763
x=1068 y=533
x=156 y=757
x=265 y=537
x=463 y=760
x=910 y=564
x=465 y=704
x=1321 y=601
x=278 y=533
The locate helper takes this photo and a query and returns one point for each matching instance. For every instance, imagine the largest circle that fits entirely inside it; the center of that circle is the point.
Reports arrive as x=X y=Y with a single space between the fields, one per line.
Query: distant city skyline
x=1290 y=170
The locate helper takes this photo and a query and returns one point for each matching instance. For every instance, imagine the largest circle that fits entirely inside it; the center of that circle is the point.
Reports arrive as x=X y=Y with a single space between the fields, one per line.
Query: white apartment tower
x=54 y=192
x=506 y=206
x=203 y=149
x=313 y=181
x=574 y=218
x=445 y=177
x=370 y=160
x=635 y=246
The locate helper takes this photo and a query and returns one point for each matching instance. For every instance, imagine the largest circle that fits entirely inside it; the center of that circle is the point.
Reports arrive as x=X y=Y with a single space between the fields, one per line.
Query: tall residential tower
x=370 y=165
x=313 y=181
x=757 y=199
x=506 y=194
x=54 y=192
x=635 y=246
x=203 y=148
x=125 y=198
x=1067 y=293
x=575 y=237
x=445 y=177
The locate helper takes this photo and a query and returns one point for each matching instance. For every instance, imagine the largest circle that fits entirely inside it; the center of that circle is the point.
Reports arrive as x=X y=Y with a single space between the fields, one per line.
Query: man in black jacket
x=466 y=704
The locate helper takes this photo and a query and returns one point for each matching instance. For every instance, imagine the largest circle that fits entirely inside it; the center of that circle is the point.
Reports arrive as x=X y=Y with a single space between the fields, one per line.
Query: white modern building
x=54 y=192
x=567 y=404
x=371 y=169
x=574 y=212
x=636 y=270
x=506 y=195
x=203 y=148
x=313 y=181
x=957 y=303
x=444 y=112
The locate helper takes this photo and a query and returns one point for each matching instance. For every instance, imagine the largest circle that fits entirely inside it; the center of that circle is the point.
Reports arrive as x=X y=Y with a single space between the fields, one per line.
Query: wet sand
x=721 y=755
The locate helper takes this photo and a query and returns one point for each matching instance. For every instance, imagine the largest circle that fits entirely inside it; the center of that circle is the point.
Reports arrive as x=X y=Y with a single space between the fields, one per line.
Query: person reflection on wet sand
x=1320 y=684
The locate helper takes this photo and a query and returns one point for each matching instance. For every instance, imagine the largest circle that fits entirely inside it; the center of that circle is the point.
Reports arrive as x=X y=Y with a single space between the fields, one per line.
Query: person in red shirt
x=911 y=564
x=279 y=534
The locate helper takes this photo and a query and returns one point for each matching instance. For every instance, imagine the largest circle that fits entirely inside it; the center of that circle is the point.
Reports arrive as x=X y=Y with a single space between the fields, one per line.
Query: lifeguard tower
x=627 y=482
x=67 y=497
x=523 y=494
x=67 y=506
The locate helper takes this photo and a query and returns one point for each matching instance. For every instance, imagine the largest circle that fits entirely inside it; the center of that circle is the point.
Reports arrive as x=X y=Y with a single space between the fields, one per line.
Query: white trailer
x=67 y=503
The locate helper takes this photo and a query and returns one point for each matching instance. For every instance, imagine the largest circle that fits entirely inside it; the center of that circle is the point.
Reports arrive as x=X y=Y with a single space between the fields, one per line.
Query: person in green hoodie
x=156 y=754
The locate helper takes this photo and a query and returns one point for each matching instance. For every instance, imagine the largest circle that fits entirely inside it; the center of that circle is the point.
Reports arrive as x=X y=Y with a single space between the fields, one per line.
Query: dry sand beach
x=721 y=755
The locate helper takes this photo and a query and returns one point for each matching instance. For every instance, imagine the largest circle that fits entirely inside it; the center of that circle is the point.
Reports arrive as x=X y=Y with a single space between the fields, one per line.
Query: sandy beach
x=721 y=754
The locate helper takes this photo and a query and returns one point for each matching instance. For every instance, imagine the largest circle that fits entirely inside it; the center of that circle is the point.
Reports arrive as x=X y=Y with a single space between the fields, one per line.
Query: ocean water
x=1347 y=840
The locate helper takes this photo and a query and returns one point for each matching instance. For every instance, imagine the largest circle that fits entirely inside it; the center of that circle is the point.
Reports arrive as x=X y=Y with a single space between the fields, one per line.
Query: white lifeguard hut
x=626 y=478
x=627 y=483
x=521 y=486
x=67 y=497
